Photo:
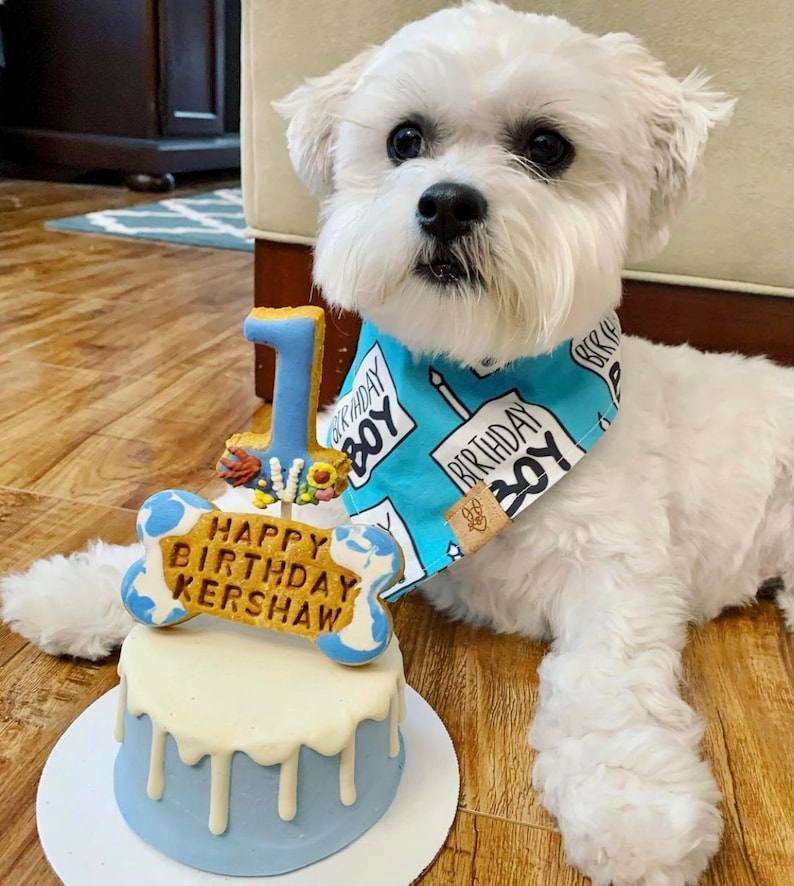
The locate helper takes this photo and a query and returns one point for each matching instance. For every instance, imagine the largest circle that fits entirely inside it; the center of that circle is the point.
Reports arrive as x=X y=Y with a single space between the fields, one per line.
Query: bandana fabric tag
x=445 y=457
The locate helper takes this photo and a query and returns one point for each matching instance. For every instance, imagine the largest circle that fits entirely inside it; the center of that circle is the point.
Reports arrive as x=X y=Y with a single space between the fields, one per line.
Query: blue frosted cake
x=251 y=753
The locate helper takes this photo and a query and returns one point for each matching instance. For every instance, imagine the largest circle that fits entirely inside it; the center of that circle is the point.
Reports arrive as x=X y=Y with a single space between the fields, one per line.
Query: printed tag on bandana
x=476 y=518
x=445 y=457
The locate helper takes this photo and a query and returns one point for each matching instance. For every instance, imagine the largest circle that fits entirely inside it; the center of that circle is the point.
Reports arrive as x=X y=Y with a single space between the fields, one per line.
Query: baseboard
x=154 y=156
x=708 y=319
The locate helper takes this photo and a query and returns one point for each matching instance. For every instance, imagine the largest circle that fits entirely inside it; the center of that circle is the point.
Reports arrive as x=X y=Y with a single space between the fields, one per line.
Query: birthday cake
x=252 y=754
x=262 y=691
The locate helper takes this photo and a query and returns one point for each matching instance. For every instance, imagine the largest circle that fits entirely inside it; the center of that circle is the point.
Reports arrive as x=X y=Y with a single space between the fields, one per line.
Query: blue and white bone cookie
x=273 y=573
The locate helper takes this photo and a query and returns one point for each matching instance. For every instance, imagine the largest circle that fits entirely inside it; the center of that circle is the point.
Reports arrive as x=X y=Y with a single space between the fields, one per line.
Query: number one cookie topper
x=266 y=571
x=288 y=465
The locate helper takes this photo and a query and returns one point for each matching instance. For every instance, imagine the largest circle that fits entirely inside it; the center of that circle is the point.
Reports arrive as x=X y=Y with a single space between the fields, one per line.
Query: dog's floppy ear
x=312 y=110
x=677 y=115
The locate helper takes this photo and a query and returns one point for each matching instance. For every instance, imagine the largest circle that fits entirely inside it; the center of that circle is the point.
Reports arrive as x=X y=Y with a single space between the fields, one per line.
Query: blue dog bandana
x=445 y=457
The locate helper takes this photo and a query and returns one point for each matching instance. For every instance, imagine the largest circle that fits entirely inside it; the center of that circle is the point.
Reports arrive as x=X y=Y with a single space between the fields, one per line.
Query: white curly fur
x=684 y=508
x=70 y=605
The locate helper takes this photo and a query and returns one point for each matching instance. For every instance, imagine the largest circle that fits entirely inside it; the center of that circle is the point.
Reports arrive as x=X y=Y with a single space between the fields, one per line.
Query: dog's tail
x=71 y=605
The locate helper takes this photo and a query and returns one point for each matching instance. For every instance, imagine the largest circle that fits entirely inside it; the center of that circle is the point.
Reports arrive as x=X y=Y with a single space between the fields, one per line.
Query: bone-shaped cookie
x=324 y=584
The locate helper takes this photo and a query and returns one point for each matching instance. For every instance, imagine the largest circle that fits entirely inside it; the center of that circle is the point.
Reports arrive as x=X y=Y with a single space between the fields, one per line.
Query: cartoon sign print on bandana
x=514 y=446
x=599 y=352
x=445 y=457
x=369 y=421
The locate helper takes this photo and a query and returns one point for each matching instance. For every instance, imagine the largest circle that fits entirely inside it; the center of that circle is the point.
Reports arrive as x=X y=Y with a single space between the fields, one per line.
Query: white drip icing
x=320 y=708
x=156 y=783
x=347 y=773
x=121 y=710
x=394 y=722
x=288 y=787
x=220 y=780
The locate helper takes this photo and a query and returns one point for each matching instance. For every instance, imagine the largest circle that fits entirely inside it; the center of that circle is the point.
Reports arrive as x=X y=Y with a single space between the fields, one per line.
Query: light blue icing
x=293 y=338
x=294 y=399
x=142 y=608
x=162 y=512
x=257 y=841
x=372 y=553
x=143 y=589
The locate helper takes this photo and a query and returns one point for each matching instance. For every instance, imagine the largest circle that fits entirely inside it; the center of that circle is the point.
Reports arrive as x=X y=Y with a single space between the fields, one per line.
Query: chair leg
x=282 y=278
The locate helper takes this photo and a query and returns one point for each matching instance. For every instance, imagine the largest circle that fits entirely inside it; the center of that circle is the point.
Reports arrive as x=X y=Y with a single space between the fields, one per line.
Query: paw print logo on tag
x=477 y=521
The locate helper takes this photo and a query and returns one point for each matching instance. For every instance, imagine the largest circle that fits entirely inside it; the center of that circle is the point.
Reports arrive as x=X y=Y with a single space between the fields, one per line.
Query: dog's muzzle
x=446 y=212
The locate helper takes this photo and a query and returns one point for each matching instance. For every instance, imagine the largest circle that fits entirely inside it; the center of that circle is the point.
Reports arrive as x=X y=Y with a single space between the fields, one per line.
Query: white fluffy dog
x=483 y=177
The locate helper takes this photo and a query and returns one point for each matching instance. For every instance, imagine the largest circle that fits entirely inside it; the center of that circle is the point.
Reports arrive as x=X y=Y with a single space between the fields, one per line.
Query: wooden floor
x=122 y=371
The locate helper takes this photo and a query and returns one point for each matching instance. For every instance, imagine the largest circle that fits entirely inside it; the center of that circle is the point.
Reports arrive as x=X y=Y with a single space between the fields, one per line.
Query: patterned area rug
x=211 y=219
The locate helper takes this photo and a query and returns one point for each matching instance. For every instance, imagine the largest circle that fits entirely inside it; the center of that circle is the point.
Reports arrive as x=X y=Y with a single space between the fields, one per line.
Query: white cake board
x=88 y=843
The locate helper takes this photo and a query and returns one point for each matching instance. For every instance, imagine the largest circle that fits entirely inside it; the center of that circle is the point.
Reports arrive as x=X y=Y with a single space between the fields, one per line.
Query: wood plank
x=119 y=341
x=39 y=697
x=484 y=851
x=736 y=678
x=106 y=469
x=35 y=526
x=710 y=319
x=484 y=687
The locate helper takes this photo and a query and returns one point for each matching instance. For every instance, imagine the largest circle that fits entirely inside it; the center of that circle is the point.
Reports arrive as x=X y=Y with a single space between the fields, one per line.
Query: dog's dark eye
x=405 y=142
x=548 y=150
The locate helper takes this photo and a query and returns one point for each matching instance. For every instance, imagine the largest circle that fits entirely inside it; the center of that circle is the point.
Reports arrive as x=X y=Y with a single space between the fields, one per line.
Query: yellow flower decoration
x=322 y=475
x=263 y=499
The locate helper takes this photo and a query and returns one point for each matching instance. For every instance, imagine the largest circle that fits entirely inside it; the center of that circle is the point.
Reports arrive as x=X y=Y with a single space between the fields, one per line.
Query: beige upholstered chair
x=738 y=239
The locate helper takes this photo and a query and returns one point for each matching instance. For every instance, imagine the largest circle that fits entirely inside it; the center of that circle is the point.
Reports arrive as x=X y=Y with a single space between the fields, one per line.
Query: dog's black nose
x=448 y=210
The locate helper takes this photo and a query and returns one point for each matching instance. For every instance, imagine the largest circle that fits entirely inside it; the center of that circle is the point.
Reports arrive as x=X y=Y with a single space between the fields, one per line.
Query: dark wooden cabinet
x=192 y=64
x=145 y=87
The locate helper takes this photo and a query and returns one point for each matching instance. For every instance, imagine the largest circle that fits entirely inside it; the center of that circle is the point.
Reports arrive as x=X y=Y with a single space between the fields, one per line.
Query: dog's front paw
x=643 y=814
